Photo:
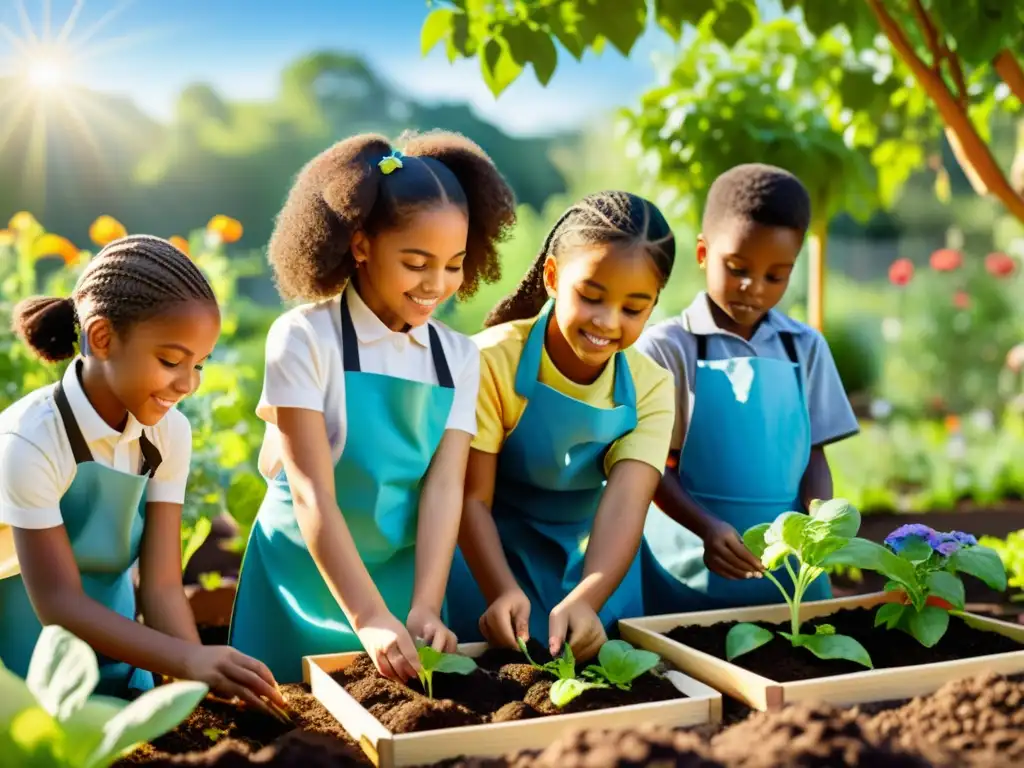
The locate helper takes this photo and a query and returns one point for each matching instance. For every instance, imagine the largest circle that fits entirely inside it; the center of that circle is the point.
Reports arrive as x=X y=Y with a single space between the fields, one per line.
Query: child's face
x=157 y=362
x=407 y=272
x=748 y=268
x=604 y=295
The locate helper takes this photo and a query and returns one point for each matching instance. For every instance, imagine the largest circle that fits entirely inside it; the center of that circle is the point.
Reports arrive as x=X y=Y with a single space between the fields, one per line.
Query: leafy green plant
x=433 y=661
x=563 y=667
x=51 y=719
x=619 y=664
x=930 y=563
x=1011 y=552
x=193 y=534
x=825 y=537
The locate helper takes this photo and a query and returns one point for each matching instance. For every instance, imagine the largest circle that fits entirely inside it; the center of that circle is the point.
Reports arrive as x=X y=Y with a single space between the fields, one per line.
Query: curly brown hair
x=603 y=217
x=342 y=191
x=130 y=280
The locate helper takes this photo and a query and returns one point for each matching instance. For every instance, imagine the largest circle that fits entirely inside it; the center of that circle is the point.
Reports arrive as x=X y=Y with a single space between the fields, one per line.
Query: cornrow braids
x=130 y=280
x=343 y=191
x=601 y=218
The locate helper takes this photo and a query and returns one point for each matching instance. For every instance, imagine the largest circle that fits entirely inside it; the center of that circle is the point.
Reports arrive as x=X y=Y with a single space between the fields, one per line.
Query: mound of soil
x=501 y=689
x=217 y=735
x=779 y=661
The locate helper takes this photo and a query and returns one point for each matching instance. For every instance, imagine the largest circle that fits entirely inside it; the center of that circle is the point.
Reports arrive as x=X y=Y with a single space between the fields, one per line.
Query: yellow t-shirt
x=499 y=407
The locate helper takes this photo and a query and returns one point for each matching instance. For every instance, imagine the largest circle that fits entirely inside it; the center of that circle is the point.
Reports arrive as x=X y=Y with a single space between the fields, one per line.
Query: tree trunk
x=816 y=274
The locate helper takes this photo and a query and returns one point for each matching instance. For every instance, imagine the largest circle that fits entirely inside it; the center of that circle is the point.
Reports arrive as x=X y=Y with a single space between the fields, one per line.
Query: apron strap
x=702 y=346
x=79 y=448
x=350 y=348
x=786 y=337
x=528 y=370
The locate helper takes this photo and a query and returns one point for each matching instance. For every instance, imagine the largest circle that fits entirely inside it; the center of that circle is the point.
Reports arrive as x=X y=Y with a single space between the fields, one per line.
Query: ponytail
x=48 y=325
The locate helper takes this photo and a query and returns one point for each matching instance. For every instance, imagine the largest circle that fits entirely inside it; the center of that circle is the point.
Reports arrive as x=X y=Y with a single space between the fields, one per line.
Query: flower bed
x=504 y=703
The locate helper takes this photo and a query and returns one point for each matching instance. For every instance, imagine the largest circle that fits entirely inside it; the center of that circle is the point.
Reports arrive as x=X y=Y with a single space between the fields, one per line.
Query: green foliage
x=619 y=663
x=51 y=718
x=433 y=661
x=563 y=667
x=1011 y=552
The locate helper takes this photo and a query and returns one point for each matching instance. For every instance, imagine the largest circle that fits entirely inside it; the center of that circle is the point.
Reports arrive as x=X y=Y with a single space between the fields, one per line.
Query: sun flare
x=47 y=73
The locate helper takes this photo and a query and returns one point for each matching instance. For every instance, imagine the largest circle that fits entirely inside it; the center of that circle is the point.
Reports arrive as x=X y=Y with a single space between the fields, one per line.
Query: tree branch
x=940 y=51
x=1009 y=69
x=973 y=154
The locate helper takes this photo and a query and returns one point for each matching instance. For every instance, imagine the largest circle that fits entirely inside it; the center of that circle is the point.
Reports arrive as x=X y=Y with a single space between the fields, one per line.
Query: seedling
x=825 y=537
x=619 y=664
x=563 y=667
x=928 y=565
x=432 y=661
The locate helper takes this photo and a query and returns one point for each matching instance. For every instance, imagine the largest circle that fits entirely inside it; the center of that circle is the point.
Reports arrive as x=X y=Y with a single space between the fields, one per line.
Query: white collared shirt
x=37 y=465
x=304 y=368
x=672 y=343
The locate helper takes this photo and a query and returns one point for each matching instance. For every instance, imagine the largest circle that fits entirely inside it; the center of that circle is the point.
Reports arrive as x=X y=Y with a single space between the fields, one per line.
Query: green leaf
x=459 y=41
x=565 y=26
x=858 y=89
x=981 y=563
x=889 y=614
x=522 y=647
x=621 y=22
x=37 y=737
x=673 y=14
x=733 y=22
x=63 y=671
x=744 y=638
x=788 y=528
x=437 y=27
x=499 y=68
x=774 y=555
x=840 y=515
x=927 y=625
x=455 y=664
x=621 y=663
x=945 y=585
x=84 y=729
x=532 y=46
x=916 y=550
x=869 y=556
x=151 y=715
x=837 y=647
x=565 y=690
x=753 y=539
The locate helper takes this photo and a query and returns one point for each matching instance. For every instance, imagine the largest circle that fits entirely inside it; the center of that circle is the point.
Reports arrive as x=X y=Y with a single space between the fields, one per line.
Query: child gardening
x=93 y=472
x=759 y=399
x=370 y=404
x=573 y=433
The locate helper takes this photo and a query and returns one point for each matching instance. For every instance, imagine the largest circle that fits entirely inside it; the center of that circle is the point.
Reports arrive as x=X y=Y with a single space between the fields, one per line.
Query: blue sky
x=150 y=49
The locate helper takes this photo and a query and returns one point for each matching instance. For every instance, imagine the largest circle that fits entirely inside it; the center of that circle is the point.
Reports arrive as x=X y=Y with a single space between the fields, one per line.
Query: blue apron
x=104 y=515
x=550 y=479
x=745 y=454
x=283 y=608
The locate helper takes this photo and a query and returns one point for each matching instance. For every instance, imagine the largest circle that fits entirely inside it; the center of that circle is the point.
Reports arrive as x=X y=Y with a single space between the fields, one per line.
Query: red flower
x=900 y=272
x=946 y=260
x=1000 y=265
x=961 y=300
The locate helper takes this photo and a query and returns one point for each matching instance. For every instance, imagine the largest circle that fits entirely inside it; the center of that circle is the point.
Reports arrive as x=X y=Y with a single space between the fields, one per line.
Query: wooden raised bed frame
x=855 y=688
x=389 y=750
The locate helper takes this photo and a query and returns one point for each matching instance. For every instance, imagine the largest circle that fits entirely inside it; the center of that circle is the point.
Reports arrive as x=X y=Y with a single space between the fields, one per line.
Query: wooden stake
x=816 y=274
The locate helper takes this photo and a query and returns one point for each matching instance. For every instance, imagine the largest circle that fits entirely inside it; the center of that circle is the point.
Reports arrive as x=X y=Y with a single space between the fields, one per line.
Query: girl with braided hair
x=370 y=403
x=573 y=433
x=93 y=472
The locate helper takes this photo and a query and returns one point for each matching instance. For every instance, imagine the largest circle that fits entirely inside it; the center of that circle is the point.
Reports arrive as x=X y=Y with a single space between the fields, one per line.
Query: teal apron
x=283 y=608
x=550 y=479
x=744 y=458
x=104 y=515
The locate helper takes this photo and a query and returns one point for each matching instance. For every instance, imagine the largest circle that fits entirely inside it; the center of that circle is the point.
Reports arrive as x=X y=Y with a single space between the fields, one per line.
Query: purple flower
x=898 y=538
x=948 y=543
x=947 y=547
x=965 y=539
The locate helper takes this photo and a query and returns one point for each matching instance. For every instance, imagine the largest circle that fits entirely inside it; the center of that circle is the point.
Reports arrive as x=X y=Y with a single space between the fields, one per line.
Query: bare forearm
x=481 y=546
x=436 y=535
x=166 y=610
x=817 y=479
x=677 y=503
x=334 y=551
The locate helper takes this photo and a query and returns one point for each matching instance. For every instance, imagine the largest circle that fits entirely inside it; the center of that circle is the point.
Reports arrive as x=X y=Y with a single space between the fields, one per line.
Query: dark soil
x=219 y=735
x=779 y=661
x=503 y=688
x=976 y=723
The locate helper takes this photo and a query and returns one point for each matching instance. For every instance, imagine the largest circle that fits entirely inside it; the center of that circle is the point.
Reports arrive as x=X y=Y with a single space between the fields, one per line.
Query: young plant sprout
x=929 y=566
x=826 y=536
x=432 y=661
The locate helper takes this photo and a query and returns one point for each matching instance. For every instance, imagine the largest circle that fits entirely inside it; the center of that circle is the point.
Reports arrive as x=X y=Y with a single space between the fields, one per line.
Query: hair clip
x=391 y=162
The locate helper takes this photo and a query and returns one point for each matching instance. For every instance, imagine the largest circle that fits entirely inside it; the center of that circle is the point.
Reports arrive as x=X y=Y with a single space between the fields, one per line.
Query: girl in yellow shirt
x=573 y=430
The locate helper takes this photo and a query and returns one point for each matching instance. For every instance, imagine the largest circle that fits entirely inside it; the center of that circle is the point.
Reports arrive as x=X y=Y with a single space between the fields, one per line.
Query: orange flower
x=227 y=229
x=901 y=271
x=1000 y=265
x=180 y=243
x=952 y=422
x=961 y=300
x=946 y=260
x=7 y=237
x=106 y=229
x=55 y=245
x=21 y=221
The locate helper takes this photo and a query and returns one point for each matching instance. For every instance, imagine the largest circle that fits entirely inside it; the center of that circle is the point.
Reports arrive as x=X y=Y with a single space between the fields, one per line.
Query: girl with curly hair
x=369 y=402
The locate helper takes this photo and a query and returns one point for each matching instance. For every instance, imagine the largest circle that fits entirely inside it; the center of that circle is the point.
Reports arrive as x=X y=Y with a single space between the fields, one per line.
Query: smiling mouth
x=743 y=308
x=423 y=302
x=597 y=341
x=165 y=403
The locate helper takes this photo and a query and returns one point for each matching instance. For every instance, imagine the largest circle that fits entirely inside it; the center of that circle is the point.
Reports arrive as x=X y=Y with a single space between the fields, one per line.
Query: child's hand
x=580 y=622
x=389 y=645
x=233 y=675
x=427 y=625
x=506 y=619
x=727 y=555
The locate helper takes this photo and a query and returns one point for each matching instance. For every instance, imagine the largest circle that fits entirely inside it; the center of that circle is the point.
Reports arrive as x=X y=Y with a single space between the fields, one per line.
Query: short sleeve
x=171 y=477
x=658 y=344
x=490 y=426
x=463 y=412
x=293 y=370
x=832 y=416
x=31 y=485
x=656 y=410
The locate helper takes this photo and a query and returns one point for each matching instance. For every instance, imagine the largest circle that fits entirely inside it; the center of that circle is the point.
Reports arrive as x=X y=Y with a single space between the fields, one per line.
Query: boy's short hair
x=763 y=194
